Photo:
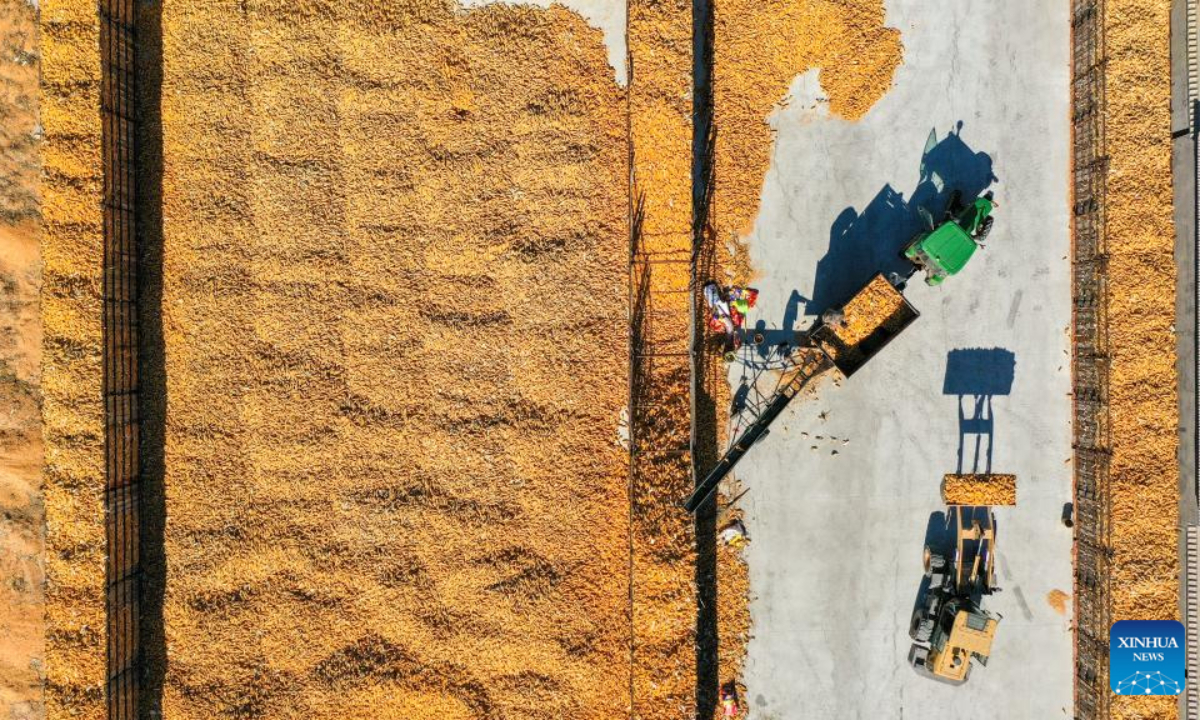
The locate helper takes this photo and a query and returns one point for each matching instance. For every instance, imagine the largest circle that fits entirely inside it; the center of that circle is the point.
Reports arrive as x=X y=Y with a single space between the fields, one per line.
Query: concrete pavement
x=838 y=521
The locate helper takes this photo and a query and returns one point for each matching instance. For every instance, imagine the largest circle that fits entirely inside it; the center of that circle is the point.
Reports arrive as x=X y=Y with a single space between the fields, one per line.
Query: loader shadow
x=862 y=244
x=975 y=376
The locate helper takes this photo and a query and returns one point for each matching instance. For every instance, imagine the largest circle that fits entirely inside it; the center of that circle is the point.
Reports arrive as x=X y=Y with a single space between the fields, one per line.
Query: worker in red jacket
x=729 y=701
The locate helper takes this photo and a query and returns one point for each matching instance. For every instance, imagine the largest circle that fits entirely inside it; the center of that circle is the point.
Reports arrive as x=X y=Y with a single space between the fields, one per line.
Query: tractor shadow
x=862 y=244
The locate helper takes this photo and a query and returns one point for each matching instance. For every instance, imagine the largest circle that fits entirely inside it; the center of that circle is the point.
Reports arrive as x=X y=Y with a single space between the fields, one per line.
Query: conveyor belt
x=814 y=362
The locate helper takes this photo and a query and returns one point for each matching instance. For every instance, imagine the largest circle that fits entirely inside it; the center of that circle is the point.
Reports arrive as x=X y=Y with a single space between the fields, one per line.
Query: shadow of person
x=792 y=312
x=739 y=398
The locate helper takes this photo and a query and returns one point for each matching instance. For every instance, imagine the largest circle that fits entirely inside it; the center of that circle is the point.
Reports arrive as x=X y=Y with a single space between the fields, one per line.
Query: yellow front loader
x=949 y=628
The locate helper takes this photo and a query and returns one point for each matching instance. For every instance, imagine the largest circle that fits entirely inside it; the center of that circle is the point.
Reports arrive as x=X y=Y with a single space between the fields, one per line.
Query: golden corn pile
x=72 y=412
x=867 y=311
x=761 y=46
x=395 y=284
x=395 y=296
x=1058 y=601
x=878 y=305
x=981 y=489
x=663 y=547
x=1141 y=310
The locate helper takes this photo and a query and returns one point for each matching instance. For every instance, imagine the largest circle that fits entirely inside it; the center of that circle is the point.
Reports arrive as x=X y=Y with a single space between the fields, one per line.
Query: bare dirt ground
x=21 y=514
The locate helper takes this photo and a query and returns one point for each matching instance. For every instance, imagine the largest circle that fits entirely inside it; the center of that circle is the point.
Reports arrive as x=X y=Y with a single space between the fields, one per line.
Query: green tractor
x=944 y=249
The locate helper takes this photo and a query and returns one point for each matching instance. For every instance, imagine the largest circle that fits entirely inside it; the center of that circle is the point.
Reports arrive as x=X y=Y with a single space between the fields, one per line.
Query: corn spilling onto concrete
x=761 y=46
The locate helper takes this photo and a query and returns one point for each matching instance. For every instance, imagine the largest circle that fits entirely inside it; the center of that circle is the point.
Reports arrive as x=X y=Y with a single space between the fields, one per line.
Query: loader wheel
x=933 y=563
x=914 y=625
x=924 y=630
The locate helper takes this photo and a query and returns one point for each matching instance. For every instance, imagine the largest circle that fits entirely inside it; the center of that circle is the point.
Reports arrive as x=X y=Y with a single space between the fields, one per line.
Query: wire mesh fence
x=1093 y=600
x=660 y=438
x=120 y=359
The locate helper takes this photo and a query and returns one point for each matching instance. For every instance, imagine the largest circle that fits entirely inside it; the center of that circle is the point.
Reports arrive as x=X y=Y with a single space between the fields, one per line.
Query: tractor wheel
x=984 y=229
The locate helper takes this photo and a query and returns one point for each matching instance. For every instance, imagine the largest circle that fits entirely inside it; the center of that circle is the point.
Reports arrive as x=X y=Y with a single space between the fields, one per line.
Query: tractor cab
x=944 y=249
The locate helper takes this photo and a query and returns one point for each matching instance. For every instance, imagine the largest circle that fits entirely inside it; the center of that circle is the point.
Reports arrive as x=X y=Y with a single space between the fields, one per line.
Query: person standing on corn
x=741 y=300
x=730 y=707
x=727 y=310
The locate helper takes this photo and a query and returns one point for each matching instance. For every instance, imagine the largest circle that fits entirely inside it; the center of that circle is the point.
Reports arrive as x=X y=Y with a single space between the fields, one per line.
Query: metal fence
x=660 y=347
x=1090 y=360
x=120 y=358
